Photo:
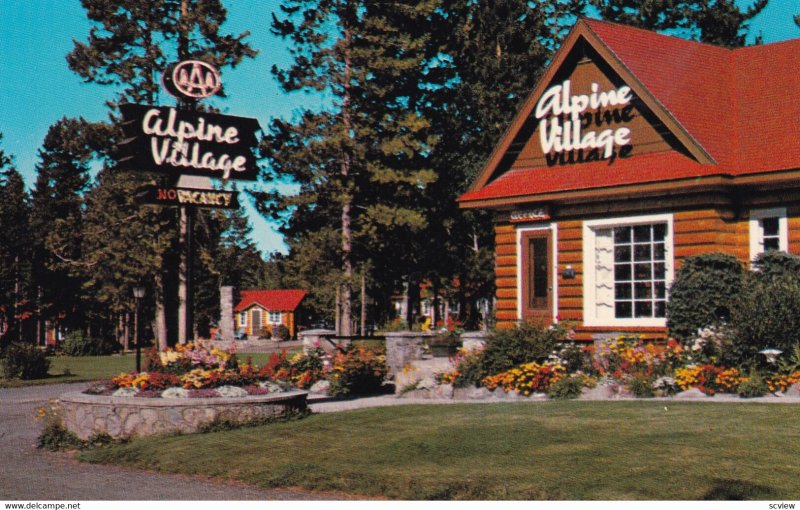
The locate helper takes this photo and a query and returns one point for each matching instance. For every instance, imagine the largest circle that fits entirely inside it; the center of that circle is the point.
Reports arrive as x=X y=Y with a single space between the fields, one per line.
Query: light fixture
x=771 y=355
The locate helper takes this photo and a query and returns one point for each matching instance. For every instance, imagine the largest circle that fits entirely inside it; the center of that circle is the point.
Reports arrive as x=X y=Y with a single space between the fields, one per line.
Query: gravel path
x=29 y=474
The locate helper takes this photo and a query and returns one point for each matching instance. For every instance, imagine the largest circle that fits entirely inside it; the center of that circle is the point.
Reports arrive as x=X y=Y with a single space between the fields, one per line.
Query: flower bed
x=189 y=387
x=624 y=366
x=196 y=371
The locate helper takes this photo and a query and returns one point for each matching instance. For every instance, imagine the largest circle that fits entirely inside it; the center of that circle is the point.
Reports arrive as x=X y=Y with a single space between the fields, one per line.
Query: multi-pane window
x=768 y=231
x=628 y=266
x=771 y=233
x=243 y=319
x=274 y=317
x=640 y=288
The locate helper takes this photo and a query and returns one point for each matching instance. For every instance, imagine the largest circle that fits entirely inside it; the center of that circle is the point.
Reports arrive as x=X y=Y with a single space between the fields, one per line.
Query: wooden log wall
x=506 y=275
x=695 y=232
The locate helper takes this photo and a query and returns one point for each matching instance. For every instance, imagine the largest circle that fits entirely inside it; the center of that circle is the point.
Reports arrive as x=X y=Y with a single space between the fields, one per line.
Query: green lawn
x=547 y=450
x=69 y=369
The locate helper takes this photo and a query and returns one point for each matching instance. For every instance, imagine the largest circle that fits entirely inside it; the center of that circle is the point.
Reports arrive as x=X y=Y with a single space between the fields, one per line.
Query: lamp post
x=138 y=294
x=771 y=355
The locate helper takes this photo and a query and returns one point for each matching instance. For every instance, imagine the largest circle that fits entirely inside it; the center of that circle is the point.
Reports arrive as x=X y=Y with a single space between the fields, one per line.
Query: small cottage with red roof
x=264 y=310
x=634 y=151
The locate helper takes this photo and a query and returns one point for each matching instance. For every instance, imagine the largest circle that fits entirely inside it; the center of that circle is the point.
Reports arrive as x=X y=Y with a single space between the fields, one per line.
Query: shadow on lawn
x=738 y=490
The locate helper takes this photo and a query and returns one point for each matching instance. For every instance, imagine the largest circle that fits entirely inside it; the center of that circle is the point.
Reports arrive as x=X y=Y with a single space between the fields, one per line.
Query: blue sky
x=37 y=88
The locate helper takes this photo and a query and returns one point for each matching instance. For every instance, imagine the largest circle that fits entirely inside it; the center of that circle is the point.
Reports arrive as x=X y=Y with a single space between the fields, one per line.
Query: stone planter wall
x=403 y=347
x=474 y=340
x=125 y=417
x=319 y=339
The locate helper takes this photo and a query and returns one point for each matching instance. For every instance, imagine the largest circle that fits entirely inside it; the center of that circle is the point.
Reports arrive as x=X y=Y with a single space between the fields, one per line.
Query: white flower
x=125 y=392
x=271 y=386
x=231 y=391
x=175 y=392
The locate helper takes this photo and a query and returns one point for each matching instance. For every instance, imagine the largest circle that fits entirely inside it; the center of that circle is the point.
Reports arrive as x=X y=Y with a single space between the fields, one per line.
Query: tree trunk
x=363 y=304
x=160 y=327
x=183 y=277
x=126 y=331
x=436 y=316
x=337 y=316
x=347 y=262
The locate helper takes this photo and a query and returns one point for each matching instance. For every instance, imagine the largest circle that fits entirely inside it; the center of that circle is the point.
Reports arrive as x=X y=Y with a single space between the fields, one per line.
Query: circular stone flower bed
x=86 y=415
x=182 y=390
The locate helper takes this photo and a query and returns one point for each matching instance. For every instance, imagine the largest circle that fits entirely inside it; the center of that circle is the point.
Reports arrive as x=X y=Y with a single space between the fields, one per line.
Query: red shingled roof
x=741 y=106
x=275 y=300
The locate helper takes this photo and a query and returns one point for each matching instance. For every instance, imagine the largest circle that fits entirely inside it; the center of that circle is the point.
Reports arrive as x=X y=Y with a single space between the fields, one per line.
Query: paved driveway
x=27 y=473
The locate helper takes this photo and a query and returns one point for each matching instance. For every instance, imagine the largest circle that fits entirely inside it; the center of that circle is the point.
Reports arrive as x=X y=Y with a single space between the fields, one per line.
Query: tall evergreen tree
x=494 y=54
x=129 y=45
x=238 y=261
x=15 y=251
x=361 y=164
x=719 y=22
x=57 y=220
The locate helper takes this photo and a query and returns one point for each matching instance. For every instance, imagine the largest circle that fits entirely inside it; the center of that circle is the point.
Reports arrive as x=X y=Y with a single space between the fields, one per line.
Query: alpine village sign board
x=173 y=141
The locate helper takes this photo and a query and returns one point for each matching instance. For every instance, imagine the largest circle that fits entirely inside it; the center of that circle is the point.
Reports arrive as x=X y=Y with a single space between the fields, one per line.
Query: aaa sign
x=168 y=140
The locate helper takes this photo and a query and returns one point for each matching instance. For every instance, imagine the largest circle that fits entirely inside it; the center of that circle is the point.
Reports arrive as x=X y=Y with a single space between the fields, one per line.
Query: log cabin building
x=634 y=151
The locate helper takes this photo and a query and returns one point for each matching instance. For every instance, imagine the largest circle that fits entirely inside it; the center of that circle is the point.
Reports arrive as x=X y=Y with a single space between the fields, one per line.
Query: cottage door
x=257 y=322
x=537 y=281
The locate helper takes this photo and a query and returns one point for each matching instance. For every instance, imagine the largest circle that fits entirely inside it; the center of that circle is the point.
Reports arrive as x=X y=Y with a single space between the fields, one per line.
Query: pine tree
x=719 y=22
x=361 y=164
x=57 y=221
x=495 y=53
x=15 y=251
x=129 y=46
x=238 y=262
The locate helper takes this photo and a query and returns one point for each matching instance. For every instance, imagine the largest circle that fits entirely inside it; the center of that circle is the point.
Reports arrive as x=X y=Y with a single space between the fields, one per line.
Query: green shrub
x=789 y=361
x=753 y=386
x=25 y=361
x=470 y=370
x=576 y=358
x=703 y=293
x=777 y=264
x=641 y=386
x=357 y=371
x=507 y=348
x=281 y=333
x=55 y=436
x=566 y=388
x=76 y=344
x=764 y=316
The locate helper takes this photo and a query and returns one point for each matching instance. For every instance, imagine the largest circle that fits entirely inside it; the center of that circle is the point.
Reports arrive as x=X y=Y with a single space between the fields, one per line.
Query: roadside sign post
x=192 y=147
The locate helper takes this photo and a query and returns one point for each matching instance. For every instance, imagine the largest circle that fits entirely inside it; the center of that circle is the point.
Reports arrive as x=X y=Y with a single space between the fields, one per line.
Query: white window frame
x=553 y=228
x=590 y=317
x=243 y=319
x=270 y=318
x=757 y=230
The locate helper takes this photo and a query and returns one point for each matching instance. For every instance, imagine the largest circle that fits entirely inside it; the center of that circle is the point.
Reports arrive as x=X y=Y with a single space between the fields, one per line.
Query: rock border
x=127 y=417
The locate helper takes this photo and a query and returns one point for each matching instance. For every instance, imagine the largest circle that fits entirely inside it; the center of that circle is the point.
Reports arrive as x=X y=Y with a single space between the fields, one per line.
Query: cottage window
x=628 y=265
x=426 y=307
x=274 y=317
x=243 y=319
x=768 y=231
